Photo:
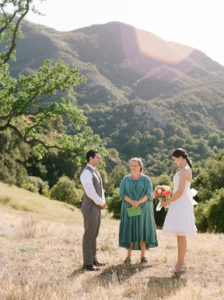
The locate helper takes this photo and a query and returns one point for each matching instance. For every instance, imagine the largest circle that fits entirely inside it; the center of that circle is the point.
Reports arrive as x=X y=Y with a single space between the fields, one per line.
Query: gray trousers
x=92 y=218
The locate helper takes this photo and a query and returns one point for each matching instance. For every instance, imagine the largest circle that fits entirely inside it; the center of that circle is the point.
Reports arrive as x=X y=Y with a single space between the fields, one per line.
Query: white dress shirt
x=87 y=184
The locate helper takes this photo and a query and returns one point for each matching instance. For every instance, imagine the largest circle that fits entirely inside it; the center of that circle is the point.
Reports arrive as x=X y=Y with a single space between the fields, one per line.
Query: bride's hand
x=165 y=203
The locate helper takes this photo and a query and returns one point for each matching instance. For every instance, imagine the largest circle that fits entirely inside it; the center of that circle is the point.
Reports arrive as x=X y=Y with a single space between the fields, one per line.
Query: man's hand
x=103 y=206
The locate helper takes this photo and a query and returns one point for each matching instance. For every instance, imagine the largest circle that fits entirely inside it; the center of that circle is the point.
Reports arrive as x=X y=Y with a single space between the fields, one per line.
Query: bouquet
x=162 y=193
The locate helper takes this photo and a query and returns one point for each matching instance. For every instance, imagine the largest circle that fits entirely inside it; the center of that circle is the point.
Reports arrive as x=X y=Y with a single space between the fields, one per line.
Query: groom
x=92 y=203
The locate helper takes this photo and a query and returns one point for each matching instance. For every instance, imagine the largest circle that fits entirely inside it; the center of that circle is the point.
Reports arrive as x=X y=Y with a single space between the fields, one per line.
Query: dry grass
x=40 y=258
x=23 y=200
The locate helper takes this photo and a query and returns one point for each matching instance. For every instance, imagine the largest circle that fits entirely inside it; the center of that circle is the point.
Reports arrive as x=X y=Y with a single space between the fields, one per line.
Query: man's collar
x=92 y=167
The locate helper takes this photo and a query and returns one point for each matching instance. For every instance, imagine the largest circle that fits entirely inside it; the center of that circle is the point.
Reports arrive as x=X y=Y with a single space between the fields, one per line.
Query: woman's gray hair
x=139 y=160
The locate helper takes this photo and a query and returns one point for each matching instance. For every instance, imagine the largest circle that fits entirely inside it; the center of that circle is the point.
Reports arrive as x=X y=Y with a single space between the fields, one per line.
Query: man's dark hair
x=91 y=153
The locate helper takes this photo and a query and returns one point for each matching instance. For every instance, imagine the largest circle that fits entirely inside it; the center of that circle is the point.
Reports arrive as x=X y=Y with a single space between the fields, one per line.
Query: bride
x=180 y=219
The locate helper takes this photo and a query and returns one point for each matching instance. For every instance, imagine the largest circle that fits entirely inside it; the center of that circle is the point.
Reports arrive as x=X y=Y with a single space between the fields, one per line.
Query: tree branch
x=32 y=127
x=33 y=140
x=47 y=147
x=13 y=41
x=7 y=21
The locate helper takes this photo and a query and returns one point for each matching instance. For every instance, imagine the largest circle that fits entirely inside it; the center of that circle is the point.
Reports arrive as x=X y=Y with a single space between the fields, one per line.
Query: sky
x=196 y=23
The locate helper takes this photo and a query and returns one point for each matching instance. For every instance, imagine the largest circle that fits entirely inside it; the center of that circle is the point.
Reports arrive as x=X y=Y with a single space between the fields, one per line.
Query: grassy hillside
x=40 y=257
x=21 y=200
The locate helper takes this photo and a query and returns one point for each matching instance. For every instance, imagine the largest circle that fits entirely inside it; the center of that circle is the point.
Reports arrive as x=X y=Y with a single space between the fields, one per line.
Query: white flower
x=159 y=191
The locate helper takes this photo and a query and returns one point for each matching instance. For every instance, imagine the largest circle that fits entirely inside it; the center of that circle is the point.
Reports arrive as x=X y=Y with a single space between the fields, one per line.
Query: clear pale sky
x=196 y=23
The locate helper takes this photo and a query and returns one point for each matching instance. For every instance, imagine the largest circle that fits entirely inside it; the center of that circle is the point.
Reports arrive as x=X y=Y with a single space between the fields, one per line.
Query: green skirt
x=137 y=229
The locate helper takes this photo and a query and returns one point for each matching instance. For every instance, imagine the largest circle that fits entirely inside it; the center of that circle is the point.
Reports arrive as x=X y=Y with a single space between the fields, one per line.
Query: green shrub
x=160 y=180
x=39 y=183
x=211 y=177
x=29 y=186
x=114 y=204
x=5 y=174
x=215 y=212
x=64 y=190
x=200 y=216
x=11 y=171
x=36 y=185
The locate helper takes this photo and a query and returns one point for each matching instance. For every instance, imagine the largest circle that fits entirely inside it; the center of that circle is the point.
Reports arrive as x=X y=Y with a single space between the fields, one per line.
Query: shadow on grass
x=162 y=287
x=116 y=273
x=76 y=272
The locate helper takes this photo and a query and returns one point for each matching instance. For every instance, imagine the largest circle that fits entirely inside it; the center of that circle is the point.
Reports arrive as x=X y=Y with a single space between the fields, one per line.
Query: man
x=92 y=203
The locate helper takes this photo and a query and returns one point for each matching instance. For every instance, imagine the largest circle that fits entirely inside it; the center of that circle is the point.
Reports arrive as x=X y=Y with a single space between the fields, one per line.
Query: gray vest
x=97 y=183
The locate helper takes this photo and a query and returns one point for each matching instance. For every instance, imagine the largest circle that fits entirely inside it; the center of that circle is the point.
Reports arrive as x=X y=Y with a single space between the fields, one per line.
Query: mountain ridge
x=138 y=104
x=116 y=52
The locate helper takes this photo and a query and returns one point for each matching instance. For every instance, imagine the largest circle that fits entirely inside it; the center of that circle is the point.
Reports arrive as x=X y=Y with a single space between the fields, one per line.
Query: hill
x=41 y=257
x=144 y=96
x=116 y=55
x=16 y=199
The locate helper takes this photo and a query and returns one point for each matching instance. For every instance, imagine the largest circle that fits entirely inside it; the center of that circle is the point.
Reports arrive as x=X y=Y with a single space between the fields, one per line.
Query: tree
x=210 y=178
x=27 y=103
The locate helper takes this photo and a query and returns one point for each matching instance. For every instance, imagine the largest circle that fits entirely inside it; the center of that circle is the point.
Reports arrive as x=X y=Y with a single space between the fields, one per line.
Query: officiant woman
x=137 y=227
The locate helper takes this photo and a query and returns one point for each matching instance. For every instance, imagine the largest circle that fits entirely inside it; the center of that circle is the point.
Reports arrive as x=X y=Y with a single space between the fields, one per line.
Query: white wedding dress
x=180 y=219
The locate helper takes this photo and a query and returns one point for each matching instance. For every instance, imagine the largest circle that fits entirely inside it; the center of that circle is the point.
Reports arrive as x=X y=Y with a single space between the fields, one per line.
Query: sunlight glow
x=156 y=48
x=197 y=23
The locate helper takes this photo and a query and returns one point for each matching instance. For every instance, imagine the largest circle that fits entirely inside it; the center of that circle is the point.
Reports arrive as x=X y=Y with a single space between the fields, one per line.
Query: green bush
x=41 y=185
x=114 y=204
x=160 y=180
x=29 y=186
x=211 y=177
x=36 y=185
x=215 y=212
x=11 y=171
x=200 y=216
x=64 y=190
x=5 y=174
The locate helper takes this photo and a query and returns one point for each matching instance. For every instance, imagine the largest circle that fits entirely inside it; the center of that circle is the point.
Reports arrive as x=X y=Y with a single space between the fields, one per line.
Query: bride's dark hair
x=181 y=152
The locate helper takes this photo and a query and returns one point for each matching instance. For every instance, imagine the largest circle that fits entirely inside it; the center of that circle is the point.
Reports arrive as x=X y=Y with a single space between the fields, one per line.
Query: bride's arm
x=182 y=183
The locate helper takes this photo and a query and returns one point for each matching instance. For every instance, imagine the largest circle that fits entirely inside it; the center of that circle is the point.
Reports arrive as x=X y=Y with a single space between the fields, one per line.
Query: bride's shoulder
x=185 y=171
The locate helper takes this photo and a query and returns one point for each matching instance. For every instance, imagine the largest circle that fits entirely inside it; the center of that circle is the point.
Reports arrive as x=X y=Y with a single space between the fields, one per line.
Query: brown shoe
x=90 y=268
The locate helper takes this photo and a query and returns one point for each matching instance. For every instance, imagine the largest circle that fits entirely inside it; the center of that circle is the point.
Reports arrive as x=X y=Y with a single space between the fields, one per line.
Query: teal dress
x=140 y=228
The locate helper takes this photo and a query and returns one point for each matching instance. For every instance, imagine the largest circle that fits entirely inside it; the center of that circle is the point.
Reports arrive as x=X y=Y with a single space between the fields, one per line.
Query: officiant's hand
x=134 y=204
